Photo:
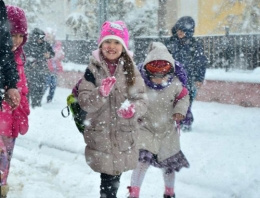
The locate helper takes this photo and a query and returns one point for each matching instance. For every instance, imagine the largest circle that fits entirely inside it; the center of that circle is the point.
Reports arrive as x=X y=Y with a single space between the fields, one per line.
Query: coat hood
x=186 y=24
x=18 y=23
x=37 y=34
x=158 y=51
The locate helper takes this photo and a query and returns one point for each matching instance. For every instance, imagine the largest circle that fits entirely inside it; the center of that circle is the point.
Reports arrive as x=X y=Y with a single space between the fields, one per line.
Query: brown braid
x=129 y=70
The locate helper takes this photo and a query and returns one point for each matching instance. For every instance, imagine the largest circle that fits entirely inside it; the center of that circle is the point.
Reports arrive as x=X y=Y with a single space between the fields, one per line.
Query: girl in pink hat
x=112 y=91
x=13 y=122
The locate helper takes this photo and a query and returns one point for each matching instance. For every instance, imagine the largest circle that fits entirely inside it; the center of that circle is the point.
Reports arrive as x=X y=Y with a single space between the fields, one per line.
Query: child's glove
x=107 y=85
x=126 y=112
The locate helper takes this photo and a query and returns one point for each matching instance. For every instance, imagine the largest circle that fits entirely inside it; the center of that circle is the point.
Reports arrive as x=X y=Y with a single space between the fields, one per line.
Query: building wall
x=171 y=17
x=179 y=8
x=205 y=13
x=209 y=18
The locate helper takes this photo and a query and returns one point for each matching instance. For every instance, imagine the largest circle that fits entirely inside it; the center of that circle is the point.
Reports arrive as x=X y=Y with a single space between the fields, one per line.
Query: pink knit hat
x=18 y=24
x=17 y=21
x=114 y=30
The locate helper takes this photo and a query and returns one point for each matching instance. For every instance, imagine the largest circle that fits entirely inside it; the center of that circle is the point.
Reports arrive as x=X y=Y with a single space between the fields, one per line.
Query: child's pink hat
x=114 y=30
x=17 y=21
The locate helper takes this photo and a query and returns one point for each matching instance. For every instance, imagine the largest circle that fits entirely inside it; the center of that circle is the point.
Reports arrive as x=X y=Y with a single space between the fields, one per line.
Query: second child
x=159 y=138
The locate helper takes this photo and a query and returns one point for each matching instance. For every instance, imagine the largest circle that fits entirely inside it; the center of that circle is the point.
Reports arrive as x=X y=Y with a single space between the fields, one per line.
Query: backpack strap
x=67 y=113
x=183 y=93
x=89 y=76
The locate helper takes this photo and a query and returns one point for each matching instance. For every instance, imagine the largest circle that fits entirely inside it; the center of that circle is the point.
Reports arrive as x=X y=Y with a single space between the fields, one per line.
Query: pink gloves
x=107 y=85
x=127 y=110
x=20 y=115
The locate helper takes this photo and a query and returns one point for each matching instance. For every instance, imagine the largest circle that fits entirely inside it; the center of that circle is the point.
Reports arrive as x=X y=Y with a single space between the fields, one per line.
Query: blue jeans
x=52 y=84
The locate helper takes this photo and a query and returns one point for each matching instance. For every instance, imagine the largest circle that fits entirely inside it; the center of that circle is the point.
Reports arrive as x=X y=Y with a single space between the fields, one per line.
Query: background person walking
x=54 y=64
x=189 y=52
x=37 y=51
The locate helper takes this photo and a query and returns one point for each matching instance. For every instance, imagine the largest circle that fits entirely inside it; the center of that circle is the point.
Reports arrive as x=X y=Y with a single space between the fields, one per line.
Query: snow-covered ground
x=223 y=150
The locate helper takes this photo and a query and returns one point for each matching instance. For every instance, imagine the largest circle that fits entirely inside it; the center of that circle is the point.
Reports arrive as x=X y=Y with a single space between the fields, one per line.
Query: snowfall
x=223 y=151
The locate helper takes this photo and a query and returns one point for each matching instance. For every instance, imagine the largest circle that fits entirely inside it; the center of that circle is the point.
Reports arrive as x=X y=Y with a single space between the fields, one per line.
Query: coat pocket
x=126 y=135
x=97 y=138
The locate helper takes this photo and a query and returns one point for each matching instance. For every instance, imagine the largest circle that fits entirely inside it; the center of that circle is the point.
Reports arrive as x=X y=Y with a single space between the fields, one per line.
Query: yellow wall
x=209 y=20
x=139 y=3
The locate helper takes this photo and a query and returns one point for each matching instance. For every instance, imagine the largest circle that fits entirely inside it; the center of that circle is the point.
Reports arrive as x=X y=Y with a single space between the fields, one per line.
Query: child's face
x=159 y=79
x=180 y=34
x=17 y=40
x=112 y=49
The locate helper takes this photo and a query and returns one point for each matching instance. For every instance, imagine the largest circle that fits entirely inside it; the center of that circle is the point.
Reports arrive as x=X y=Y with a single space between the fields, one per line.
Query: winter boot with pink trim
x=133 y=191
x=168 y=196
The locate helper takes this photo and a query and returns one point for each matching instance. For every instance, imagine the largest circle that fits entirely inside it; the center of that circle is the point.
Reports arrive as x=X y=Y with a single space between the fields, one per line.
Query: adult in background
x=188 y=51
x=8 y=71
x=54 y=64
x=37 y=51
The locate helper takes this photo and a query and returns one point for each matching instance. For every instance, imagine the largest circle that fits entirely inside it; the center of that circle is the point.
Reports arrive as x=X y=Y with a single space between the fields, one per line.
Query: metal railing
x=226 y=51
x=223 y=51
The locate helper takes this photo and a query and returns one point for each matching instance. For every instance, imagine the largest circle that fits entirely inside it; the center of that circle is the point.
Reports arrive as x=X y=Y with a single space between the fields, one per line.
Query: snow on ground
x=223 y=150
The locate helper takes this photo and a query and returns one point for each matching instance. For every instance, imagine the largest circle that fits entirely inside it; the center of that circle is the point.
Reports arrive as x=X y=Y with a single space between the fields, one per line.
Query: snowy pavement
x=223 y=150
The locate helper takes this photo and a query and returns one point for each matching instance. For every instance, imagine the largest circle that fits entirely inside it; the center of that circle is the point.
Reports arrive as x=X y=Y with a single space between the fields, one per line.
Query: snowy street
x=223 y=150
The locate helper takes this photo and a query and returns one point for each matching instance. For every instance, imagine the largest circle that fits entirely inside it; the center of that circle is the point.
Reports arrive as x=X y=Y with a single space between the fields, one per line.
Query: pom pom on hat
x=158 y=66
x=114 y=30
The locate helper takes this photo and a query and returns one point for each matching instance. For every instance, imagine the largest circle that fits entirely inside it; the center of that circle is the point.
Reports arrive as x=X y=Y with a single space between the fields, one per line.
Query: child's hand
x=13 y=98
x=107 y=85
x=47 y=55
x=178 y=117
x=126 y=112
x=198 y=84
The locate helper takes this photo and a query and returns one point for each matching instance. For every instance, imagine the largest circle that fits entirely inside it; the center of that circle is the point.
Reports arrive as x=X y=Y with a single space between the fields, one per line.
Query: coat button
x=115 y=144
x=117 y=172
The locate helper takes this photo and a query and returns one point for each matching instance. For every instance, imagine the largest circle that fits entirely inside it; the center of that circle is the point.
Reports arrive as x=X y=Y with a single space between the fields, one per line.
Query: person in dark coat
x=188 y=51
x=8 y=72
x=37 y=51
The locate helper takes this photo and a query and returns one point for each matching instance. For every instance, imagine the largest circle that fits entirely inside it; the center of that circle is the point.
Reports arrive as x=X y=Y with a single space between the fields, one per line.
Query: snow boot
x=4 y=191
x=131 y=190
x=186 y=128
x=168 y=196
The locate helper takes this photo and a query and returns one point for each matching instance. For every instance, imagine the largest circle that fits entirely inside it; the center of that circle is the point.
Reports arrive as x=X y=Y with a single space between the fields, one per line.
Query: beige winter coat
x=111 y=141
x=158 y=132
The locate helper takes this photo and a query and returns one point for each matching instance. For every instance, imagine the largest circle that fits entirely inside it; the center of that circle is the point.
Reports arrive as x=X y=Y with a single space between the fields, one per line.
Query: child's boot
x=4 y=191
x=133 y=191
x=168 y=196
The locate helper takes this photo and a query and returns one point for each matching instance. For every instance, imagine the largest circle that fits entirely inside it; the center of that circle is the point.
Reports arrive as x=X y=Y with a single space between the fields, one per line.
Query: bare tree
x=84 y=22
x=32 y=9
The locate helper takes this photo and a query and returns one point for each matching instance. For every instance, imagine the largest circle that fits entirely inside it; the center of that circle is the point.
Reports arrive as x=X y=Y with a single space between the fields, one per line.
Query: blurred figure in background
x=37 y=51
x=54 y=64
x=188 y=51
